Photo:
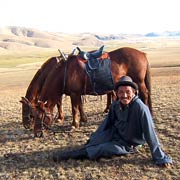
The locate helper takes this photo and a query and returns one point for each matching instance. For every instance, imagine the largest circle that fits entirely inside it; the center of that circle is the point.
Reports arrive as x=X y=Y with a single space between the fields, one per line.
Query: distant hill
x=87 y=40
x=166 y=34
x=14 y=38
x=18 y=39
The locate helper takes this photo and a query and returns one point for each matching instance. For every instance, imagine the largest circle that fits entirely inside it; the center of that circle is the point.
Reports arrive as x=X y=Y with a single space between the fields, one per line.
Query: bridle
x=29 y=116
x=43 y=124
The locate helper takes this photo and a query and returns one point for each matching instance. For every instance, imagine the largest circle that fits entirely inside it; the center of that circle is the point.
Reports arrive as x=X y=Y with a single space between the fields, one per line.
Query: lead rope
x=44 y=126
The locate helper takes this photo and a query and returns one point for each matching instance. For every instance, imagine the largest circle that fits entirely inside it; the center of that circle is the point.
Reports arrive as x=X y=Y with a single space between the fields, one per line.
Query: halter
x=44 y=126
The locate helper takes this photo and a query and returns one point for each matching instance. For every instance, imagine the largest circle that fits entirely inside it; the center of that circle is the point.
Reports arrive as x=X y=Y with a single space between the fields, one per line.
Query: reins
x=44 y=126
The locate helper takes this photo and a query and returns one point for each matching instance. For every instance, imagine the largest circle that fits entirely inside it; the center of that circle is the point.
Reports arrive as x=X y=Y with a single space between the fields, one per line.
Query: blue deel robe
x=124 y=128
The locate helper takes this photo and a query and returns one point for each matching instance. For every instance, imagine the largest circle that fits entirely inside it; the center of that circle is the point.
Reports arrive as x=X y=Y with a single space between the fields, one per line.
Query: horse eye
x=31 y=116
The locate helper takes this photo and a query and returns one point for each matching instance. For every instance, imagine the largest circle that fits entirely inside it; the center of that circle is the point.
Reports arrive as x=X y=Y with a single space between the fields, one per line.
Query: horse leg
x=60 y=116
x=144 y=94
x=110 y=97
x=83 y=117
x=75 y=102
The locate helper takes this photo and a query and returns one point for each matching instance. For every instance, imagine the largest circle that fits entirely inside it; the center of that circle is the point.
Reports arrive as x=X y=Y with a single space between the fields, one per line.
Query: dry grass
x=24 y=157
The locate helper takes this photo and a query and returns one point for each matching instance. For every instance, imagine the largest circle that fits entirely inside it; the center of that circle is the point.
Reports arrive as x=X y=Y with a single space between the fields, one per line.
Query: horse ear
x=73 y=52
x=41 y=104
x=24 y=100
x=45 y=103
x=21 y=101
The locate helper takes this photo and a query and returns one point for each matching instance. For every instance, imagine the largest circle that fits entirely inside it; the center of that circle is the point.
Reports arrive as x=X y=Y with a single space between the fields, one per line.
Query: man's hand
x=165 y=165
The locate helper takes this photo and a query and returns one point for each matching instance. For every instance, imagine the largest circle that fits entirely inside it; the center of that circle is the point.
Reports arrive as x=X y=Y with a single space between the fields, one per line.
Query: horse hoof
x=38 y=134
x=83 y=120
x=75 y=126
x=27 y=126
x=106 y=110
x=60 y=121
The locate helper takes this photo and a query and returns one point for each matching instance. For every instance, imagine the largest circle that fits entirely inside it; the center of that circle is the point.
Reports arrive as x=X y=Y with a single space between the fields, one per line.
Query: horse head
x=43 y=118
x=27 y=116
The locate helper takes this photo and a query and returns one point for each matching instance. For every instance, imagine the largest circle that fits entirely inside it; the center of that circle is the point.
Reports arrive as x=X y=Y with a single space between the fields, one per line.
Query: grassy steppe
x=12 y=60
x=160 y=52
x=24 y=157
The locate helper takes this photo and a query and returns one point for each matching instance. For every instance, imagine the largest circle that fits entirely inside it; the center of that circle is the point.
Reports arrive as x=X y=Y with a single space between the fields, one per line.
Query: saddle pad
x=101 y=77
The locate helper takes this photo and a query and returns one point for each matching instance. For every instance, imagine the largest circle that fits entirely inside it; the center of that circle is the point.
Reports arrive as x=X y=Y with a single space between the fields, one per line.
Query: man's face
x=125 y=94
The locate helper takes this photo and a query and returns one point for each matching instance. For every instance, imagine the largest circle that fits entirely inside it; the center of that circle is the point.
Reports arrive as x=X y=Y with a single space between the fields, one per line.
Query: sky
x=94 y=16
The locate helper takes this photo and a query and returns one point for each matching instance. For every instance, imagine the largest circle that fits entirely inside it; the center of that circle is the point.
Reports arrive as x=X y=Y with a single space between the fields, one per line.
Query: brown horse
x=34 y=89
x=70 y=78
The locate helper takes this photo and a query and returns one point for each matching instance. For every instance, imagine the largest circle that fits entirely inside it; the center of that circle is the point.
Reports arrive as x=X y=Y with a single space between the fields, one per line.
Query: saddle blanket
x=99 y=72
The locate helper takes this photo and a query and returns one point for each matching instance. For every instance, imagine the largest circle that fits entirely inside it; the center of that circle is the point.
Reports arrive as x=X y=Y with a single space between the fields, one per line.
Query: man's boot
x=75 y=154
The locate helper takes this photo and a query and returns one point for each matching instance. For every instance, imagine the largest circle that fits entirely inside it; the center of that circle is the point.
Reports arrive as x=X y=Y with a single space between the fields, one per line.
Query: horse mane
x=51 y=80
x=37 y=82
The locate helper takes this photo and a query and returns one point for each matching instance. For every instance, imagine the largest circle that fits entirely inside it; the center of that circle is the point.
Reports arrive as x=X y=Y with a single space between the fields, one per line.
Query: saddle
x=98 y=68
x=91 y=58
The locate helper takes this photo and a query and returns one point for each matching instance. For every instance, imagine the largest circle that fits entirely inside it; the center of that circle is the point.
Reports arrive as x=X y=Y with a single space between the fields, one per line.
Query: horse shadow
x=13 y=131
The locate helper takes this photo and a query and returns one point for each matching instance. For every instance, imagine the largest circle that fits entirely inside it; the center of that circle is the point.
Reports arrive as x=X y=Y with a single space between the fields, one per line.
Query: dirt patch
x=24 y=157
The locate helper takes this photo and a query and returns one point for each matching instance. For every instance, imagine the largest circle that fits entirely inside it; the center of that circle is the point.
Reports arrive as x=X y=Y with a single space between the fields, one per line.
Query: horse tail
x=148 y=85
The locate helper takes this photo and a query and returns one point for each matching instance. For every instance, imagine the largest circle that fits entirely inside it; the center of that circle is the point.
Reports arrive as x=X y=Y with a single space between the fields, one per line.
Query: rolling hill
x=22 y=39
x=25 y=39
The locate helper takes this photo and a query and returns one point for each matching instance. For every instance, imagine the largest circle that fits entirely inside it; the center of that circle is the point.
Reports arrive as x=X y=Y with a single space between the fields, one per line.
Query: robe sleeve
x=158 y=156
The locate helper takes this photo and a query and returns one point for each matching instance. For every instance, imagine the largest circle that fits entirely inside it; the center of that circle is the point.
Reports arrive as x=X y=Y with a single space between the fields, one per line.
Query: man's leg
x=106 y=150
x=74 y=154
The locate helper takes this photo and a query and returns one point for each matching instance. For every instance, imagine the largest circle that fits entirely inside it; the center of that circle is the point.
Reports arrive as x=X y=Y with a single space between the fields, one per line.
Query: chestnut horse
x=70 y=78
x=34 y=89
